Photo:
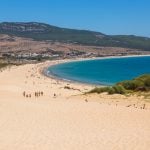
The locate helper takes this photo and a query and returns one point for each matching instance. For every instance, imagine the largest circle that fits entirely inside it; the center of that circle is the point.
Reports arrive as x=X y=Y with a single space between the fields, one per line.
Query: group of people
x=36 y=94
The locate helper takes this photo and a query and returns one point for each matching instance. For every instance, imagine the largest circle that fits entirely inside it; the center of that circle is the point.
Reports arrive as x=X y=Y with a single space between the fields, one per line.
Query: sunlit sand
x=39 y=113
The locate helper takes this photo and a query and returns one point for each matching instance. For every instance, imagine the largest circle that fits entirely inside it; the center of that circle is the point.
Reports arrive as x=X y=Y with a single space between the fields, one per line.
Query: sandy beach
x=39 y=113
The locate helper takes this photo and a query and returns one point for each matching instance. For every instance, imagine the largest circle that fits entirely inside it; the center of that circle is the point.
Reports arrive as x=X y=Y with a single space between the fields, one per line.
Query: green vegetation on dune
x=2 y=65
x=8 y=64
x=141 y=83
x=117 y=89
x=41 y=31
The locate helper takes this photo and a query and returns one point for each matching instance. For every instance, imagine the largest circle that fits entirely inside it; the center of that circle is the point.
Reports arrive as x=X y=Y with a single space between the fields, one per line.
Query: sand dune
x=62 y=119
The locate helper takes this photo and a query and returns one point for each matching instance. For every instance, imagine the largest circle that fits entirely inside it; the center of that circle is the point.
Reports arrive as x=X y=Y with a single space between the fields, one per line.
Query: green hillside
x=41 y=31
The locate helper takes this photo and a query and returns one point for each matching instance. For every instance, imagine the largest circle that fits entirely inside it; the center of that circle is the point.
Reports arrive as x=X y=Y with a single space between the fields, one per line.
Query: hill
x=42 y=32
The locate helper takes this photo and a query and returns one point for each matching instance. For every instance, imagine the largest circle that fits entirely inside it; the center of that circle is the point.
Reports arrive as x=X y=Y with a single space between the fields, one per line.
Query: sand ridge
x=65 y=118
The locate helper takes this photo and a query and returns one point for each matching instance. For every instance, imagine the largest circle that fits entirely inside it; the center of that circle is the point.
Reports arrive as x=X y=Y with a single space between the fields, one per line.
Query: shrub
x=145 y=79
x=131 y=85
x=147 y=82
x=111 y=90
x=119 y=89
x=100 y=90
x=2 y=65
x=67 y=87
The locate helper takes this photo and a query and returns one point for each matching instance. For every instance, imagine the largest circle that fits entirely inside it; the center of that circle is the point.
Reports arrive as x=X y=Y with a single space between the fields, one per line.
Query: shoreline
x=52 y=75
x=57 y=78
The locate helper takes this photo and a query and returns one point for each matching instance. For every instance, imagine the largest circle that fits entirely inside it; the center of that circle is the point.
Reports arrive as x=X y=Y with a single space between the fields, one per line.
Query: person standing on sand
x=35 y=94
x=24 y=93
x=54 y=95
x=41 y=93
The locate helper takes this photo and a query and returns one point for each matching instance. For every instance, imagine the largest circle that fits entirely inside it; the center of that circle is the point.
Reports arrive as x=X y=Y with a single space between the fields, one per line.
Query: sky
x=113 y=17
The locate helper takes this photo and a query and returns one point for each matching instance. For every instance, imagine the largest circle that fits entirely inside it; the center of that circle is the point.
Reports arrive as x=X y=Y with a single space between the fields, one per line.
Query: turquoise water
x=102 y=71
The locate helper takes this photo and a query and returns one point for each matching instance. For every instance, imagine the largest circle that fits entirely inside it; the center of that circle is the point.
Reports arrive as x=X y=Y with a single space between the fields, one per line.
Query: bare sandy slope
x=67 y=120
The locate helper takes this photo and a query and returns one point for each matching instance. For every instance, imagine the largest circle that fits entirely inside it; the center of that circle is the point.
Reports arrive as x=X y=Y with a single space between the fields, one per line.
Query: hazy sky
x=107 y=16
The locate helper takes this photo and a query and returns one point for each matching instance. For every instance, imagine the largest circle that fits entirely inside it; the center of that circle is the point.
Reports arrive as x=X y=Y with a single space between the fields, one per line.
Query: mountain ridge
x=42 y=31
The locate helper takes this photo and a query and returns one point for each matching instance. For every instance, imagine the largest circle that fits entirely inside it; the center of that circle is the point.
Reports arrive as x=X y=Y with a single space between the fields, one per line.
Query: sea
x=102 y=71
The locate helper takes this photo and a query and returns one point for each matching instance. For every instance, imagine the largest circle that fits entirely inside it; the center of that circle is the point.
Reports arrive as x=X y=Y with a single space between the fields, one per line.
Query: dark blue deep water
x=102 y=71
